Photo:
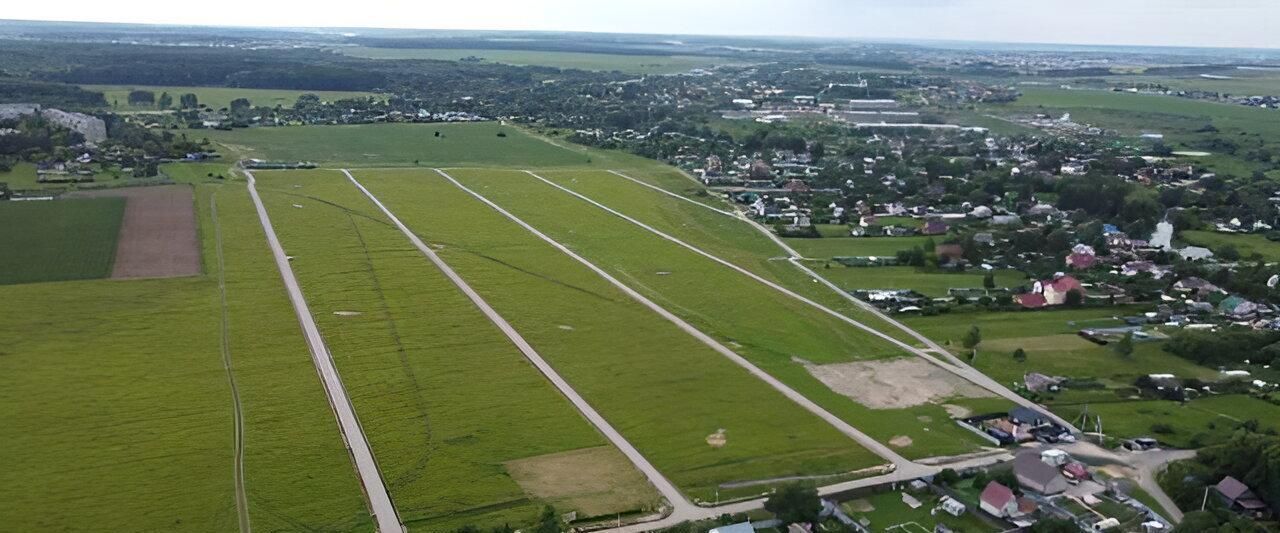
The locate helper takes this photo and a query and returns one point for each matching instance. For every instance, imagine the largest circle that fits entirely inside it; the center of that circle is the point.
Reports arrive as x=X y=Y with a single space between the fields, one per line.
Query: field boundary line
x=680 y=505
x=844 y=427
x=964 y=371
x=242 y=499
x=381 y=507
x=674 y=195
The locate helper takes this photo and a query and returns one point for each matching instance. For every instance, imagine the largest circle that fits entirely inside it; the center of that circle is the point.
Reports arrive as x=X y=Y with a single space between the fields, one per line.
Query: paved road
x=681 y=507
x=383 y=510
x=953 y=364
x=1145 y=466
x=242 y=499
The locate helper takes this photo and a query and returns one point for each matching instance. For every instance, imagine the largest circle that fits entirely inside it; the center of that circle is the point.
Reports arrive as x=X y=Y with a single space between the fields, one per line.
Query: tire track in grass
x=420 y=466
x=681 y=507
x=242 y=499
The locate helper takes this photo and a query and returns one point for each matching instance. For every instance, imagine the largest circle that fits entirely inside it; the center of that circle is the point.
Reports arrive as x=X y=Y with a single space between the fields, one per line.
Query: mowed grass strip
x=774 y=331
x=664 y=390
x=477 y=143
x=117 y=414
x=298 y=474
x=728 y=238
x=444 y=398
x=58 y=240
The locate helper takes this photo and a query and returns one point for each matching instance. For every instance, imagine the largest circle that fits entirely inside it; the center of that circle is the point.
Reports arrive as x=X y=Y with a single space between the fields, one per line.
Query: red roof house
x=998 y=500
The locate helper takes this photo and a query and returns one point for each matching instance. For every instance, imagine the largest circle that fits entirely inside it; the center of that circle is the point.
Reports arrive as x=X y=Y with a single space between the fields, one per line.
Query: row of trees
x=164 y=101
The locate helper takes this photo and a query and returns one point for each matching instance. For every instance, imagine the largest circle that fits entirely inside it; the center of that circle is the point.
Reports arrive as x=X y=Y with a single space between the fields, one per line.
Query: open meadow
x=396 y=145
x=117 y=96
x=781 y=335
x=1199 y=422
x=828 y=247
x=634 y=64
x=1180 y=120
x=932 y=283
x=129 y=422
x=1248 y=244
x=58 y=240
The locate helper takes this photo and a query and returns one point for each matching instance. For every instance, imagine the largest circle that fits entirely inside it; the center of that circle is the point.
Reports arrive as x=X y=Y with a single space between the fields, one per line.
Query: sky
x=1218 y=23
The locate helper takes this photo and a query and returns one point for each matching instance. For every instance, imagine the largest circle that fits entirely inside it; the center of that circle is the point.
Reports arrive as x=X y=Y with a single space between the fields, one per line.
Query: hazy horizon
x=1163 y=23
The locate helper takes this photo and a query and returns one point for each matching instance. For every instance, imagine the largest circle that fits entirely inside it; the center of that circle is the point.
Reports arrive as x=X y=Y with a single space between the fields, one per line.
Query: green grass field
x=120 y=404
x=444 y=398
x=58 y=240
x=768 y=328
x=214 y=97
x=828 y=247
x=1176 y=118
x=926 y=282
x=633 y=64
x=887 y=510
x=574 y=318
x=1197 y=423
x=397 y=145
x=1246 y=244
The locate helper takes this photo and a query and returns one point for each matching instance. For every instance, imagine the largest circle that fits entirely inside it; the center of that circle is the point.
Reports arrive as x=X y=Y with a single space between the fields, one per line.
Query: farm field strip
x=955 y=366
x=465 y=430
x=704 y=422
x=242 y=499
x=678 y=501
x=782 y=336
x=383 y=510
x=862 y=438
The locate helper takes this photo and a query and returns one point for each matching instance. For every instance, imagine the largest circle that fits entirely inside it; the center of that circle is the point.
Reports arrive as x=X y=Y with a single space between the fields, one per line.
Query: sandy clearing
x=901 y=441
x=590 y=481
x=894 y=383
x=158 y=237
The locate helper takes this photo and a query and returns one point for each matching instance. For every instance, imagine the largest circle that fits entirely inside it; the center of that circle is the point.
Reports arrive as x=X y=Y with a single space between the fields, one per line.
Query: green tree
x=142 y=98
x=795 y=504
x=1020 y=355
x=1074 y=298
x=240 y=104
x=188 y=101
x=165 y=100
x=1124 y=346
x=989 y=280
x=548 y=522
x=971 y=340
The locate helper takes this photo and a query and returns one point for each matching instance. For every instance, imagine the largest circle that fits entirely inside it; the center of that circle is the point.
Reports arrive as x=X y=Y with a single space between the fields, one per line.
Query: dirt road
x=242 y=499
x=383 y=510
x=952 y=363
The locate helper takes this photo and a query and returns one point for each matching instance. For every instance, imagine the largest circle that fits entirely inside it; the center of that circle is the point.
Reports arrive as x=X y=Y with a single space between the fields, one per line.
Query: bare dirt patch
x=158 y=237
x=591 y=481
x=957 y=411
x=894 y=383
x=717 y=439
x=901 y=441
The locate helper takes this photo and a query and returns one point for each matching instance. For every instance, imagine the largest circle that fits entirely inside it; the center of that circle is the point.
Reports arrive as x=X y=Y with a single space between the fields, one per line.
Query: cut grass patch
x=593 y=481
x=828 y=247
x=1200 y=422
x=396 y=145
x=58 y=240
x=1247 y=244
x=444 y=398
x=661 y=388
x=767 y=327
x=927 y=282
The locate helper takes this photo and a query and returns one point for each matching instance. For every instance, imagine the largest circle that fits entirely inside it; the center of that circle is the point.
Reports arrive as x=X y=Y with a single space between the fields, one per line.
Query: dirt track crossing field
x=158 y=237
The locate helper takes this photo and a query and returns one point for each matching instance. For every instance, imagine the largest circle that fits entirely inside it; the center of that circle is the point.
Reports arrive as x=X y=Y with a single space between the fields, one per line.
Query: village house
x=1239 y=498
x=1082 y=257
x=998 y=500
x=1036 y=475
x=1050 y=292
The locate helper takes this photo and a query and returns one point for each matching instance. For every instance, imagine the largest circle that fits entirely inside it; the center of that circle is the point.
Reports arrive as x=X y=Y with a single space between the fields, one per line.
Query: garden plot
x=158 y=237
